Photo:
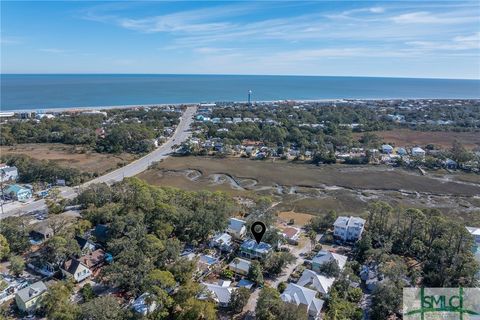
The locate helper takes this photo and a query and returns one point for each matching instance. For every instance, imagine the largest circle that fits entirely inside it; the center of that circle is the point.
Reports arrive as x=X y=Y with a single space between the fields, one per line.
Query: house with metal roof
x=299 y=295
x=313 y=280
x=27 y=298
x=17 y=192
x=239 y=265
x=252 y=250
x=236 y=228
x=86 y=246
x=143 y=306
x=221 y=292
x=8 y=173
x=324 y=256
x=222 y=241
x=348 y=228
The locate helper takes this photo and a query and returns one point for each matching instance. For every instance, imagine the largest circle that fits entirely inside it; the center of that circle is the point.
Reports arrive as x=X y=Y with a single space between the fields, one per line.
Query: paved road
x=181 y=134
x=297 y=251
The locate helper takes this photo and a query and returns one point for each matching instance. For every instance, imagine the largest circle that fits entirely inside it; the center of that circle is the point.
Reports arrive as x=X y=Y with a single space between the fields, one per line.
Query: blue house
x=17 y=192
x=386 y=148
x=252 y=250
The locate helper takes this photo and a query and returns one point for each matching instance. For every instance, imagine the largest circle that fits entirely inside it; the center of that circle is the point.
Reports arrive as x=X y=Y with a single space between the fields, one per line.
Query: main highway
x=182 y=133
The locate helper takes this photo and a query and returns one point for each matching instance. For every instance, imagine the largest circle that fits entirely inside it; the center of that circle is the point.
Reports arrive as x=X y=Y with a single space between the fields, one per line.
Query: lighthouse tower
x=249 y=97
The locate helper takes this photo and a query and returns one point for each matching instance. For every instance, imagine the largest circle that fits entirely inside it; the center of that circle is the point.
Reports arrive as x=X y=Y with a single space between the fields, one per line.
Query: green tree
x=102 y=308
x=194 y=309
x=459 y=153
x=329 y=269
x=255 y=273
x=4 y=247
x=239 y=299
x=87 y=292
x=15 y=230
x=322 y=224
x=57 y=304
x=277 y=261
x=17 y=265
x=386 y=300
x=269 y=304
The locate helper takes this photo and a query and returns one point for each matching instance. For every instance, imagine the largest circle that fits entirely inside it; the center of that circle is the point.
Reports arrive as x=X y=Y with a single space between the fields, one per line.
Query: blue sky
x=347 y=38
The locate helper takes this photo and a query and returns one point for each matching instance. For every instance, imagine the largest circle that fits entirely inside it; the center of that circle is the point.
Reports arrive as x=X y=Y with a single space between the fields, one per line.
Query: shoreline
x=156 y=105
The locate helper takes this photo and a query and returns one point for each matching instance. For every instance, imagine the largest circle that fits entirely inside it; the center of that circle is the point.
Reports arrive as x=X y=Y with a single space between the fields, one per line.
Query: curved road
x=181 y=134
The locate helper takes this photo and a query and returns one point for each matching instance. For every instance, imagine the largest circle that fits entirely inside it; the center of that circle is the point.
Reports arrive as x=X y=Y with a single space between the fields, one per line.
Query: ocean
x=38 y=92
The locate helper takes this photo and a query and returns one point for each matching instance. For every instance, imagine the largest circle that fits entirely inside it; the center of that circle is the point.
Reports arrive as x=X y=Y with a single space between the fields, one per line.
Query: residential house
x=205 y=262
x=240 y=266
x=451 y=164
x=27 y=298
x=17 y=192
x=245 y=283
x=313 y=280
x=42 y=267
x=8 y=173
x=236 y=228
x=386 y=148
x=143 y=306
x=401 y=151
x=86 y=246
x=291 y=234
x=418 y=152
x=101 y=232
x=299 y=295
x=253 y=250
x=222 y=241
x=475 y=232
x=348 y=228
x=75 y=269
x=40 y=232
x=324 y=256
x=93 y=260
x=221 y=292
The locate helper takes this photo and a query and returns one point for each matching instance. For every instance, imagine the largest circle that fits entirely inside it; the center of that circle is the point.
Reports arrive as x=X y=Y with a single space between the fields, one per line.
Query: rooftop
x=32 y=291
x=252 y=245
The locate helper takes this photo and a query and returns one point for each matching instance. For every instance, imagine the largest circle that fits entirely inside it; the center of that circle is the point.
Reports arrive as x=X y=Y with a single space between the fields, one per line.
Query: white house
x=236 y=228
x=143 y=306
x=299 y=295
x=348 y=228
x=386 y=148
x=8 y=173
x=324 y=256
x=313 y=280
x=241 y=266
x=27 y=299
x=475 y=232
x=221 y=292
x=418 y=152
x=222 y=241
x=73 y=268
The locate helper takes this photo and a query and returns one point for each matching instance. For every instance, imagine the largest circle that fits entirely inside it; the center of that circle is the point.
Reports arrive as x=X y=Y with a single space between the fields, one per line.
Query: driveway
x=303 y=247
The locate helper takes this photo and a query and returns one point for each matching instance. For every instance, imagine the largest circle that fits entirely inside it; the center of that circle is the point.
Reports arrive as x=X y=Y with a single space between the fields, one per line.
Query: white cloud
x=425 y=17
x=5 y=40
x=54 y=50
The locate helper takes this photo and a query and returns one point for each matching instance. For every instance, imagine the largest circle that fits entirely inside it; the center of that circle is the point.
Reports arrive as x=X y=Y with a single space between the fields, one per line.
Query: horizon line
x=240 y=74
